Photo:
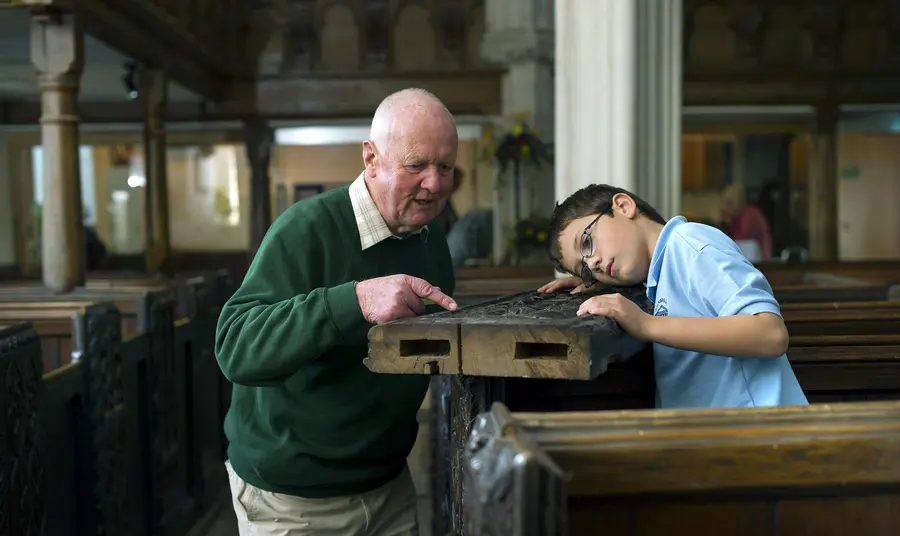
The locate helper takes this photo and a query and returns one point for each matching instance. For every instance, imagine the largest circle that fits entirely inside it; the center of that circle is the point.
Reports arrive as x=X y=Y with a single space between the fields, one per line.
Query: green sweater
x=307 y=418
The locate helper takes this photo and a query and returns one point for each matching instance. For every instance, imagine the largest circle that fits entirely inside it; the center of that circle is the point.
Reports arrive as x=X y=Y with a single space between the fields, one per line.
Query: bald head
x=405 y=111
x=409 y=158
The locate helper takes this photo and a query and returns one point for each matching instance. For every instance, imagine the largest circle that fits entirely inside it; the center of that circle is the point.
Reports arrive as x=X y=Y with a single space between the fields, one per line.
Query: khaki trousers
x=387 y=511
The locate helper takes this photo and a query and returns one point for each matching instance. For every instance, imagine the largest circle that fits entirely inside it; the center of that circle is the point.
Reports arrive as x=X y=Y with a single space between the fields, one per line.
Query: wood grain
x=526 y=335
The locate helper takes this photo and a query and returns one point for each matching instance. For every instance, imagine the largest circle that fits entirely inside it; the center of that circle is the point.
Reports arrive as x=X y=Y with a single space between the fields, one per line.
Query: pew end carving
x=22 y=457
x=512 y=486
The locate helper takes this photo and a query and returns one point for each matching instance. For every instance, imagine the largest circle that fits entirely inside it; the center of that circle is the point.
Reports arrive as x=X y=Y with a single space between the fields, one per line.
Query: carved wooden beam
x=463 y=92
x=526 y=335
x=474 y=92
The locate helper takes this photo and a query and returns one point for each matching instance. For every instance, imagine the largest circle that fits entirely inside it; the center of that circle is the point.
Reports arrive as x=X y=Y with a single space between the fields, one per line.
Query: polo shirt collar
x=660 y=249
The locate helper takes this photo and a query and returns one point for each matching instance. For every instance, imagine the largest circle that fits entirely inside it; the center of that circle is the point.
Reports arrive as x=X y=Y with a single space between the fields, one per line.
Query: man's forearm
x=263 y=344
x=760 y=335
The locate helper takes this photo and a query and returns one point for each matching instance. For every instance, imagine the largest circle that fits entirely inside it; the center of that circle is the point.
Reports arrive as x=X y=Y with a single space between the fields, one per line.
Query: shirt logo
x=661 y=309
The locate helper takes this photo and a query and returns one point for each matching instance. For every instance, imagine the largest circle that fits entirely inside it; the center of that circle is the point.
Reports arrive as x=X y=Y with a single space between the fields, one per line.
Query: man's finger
x=424 y=289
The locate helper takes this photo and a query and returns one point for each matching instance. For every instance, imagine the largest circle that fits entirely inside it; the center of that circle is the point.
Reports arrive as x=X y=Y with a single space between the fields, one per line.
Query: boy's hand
x=619 y=308
x=571 y=282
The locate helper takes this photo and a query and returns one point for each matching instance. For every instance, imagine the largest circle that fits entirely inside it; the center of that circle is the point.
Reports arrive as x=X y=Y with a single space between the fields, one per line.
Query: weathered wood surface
x=828 y=470
x=23 y=483
x=528 y=335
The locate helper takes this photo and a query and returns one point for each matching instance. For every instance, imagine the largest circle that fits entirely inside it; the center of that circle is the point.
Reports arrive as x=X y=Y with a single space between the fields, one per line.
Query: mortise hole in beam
x=541 y=350
x=420 y=347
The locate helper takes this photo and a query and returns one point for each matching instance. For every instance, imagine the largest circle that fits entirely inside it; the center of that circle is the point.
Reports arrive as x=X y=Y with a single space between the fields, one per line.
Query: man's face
x=611 y=246
x=412 y=177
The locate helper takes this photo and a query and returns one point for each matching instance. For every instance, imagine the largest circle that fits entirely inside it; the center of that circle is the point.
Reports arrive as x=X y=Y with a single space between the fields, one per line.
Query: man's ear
x=369 y=156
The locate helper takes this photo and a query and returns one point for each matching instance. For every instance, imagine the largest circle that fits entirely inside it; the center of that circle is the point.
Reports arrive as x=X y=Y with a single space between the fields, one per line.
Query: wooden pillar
x=258 y=140
x=154 y=96
x=823 y=187
x=57 y=53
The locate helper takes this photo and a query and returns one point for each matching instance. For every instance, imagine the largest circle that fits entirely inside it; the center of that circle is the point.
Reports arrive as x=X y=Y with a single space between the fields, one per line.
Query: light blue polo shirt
x=697 y=271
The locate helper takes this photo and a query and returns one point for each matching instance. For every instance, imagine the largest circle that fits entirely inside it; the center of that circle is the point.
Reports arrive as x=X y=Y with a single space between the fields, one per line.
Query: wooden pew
x=23 y=482
x=162 y=407
x=149 y=305
x=825 y=470
x=97 y=427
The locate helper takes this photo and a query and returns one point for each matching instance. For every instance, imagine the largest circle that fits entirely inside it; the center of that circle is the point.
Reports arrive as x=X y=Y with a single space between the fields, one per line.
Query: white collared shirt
x=371 y=224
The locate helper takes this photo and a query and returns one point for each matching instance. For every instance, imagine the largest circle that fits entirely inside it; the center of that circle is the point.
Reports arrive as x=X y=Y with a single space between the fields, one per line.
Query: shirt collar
x=370 y=222
x=660 y=249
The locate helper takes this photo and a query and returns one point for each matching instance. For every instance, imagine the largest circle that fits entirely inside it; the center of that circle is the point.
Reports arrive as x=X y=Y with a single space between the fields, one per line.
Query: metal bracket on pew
x=512 y=488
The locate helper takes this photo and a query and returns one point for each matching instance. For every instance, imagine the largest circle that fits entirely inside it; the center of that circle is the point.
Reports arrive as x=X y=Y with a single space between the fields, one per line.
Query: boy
x=709 y=301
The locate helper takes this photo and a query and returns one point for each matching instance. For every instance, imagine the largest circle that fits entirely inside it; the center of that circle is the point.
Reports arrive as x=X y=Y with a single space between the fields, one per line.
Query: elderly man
x=318 y=443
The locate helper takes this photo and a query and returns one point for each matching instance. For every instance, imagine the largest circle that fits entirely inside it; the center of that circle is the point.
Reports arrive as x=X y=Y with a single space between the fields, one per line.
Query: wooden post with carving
x=57 y=53
x=823 y=187
x=258 y=140
x=153 y=93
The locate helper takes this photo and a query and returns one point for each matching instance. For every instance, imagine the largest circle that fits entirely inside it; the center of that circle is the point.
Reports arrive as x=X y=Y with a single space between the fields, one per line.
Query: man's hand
x=628 y=315
x=384 y=299
x=564 y=283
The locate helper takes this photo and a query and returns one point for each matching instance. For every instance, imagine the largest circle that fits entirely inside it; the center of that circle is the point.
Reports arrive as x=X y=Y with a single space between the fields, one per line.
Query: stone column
x=258 y=140
x=153 y=93
x=57 y=53
x=519 y=37
x=823 y=187
x=618 y=105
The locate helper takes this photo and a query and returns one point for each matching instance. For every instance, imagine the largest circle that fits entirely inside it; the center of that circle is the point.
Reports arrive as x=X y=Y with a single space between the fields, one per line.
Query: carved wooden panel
x=377 y=35
x=339 y=41
x=300 y=39
x=367 y=35
x=475 y=34
x=22 y=480
x=528 y=335
x=841 y=36
x=414 y=38
x=786 y=40
x=864 y=34
x=712 y=40
x=453 y=27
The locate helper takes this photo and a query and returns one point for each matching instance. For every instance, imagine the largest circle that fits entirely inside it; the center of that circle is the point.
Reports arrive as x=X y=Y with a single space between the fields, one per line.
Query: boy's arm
x=748 y=319
x=754 y=335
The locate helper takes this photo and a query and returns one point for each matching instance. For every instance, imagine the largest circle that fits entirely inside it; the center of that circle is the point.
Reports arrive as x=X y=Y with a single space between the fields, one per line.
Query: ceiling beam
x=142 y=41
x=300 y=98
x=476 y=92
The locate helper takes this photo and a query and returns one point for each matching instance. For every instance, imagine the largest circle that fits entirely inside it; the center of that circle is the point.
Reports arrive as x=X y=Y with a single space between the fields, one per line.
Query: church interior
x=147 y=146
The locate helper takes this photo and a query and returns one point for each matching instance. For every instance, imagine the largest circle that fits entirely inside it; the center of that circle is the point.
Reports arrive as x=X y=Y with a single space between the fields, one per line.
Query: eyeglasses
x=587 y=249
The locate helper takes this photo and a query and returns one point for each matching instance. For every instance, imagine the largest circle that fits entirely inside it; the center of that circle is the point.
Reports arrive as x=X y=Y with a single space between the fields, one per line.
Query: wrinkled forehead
x=425 y=129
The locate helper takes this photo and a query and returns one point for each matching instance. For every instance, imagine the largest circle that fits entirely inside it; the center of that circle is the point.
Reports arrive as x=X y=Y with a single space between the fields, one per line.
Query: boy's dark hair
x=593 y=199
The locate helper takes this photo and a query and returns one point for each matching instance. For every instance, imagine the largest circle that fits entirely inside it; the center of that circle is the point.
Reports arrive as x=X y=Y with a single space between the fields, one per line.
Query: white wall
x=868 y=196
